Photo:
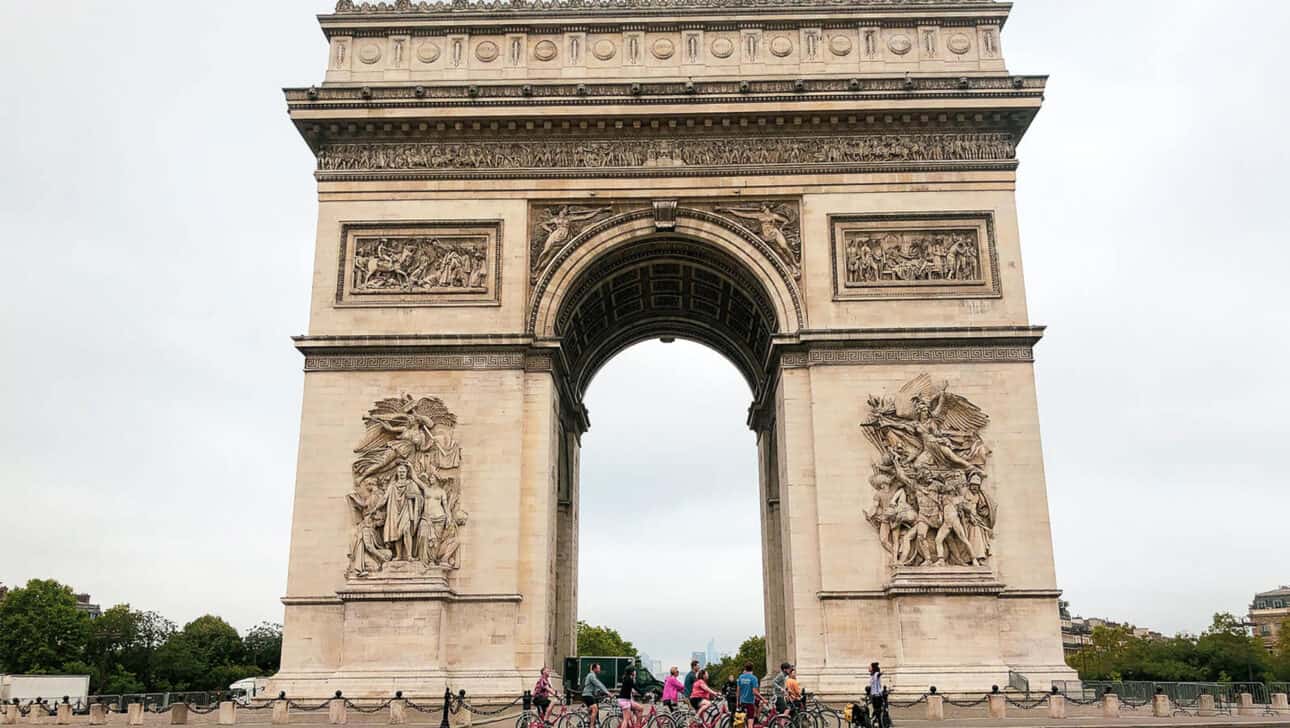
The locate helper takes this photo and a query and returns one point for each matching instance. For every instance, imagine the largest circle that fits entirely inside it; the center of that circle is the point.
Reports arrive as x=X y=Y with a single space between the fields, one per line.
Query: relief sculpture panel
x=407 y=491
x=914 y=256
x=419 y=264
x=930 y=503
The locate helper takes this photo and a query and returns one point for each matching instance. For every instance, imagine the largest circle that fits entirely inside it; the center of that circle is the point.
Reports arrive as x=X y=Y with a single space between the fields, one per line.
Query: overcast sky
x=157 y=215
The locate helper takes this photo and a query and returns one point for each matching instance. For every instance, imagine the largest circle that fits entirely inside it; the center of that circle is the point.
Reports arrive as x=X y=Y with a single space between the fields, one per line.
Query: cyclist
x=700 y=694
x=878 y=697
x=793 y=690
x=629 y=706
x=749 y=695
x=691 y=676
x=778 y=684
x=592 y=689
x=672 y=688
x=542 y=692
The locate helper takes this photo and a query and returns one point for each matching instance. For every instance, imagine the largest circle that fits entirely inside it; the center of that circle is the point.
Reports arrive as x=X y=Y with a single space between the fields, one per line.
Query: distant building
x=1268 y=610
x=702 y=657
x=712 y=651
x=1077 y=632
x=83 y=604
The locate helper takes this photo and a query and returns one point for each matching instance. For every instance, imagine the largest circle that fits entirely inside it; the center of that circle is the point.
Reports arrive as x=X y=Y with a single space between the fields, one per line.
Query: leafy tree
x=599 y=641
x=1226 y=648
x=262 y=646
x=189 y=657
x=41 y=630
x=751 y=650
x=1281 y=653
x=124 y=642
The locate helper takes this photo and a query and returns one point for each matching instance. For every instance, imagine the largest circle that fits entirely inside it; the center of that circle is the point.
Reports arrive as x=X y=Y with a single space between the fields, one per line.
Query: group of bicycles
x=807 y=713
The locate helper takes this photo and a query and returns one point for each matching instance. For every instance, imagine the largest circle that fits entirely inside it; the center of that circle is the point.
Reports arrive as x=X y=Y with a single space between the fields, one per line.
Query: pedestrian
x=877 y=697
x=542 y=692
x=672 y=688
x=691 y=676
x=778 y=685
x=749 y=695
x=593 y=690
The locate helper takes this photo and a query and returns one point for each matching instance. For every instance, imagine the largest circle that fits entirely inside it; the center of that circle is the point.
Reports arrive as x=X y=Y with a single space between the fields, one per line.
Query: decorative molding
x=419 y=263
x=512 y=7
x=916 y=255
x=354 y=361
x=867 y=354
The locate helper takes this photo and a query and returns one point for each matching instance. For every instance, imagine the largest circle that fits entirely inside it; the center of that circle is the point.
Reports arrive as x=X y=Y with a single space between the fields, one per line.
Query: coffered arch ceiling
x=660 y=287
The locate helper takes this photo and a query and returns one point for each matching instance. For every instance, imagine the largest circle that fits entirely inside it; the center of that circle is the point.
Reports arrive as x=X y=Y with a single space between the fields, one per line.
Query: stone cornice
x=410 y=12
x=784 y=90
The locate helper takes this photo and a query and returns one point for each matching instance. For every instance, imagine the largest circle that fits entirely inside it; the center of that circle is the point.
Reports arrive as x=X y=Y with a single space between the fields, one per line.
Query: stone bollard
x=1057 y=706
x=935 y=707
x=1245 y=704
x=1205 y=706
x=398 y=711
x=36 y=713
x=134 y=714
x=10 y=714
x=281 y=712
x=64 y=714
x=337 y=714
x=1160 y=707
x=1110 y=705
x=998 y=706
x=1280 y=703
x=179 y=714
x=98 y=714
x=227 y=712
x=462 y=718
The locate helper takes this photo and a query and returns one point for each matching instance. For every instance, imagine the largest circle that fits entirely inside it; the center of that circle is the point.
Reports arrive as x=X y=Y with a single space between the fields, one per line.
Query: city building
x=712 y=651
x=83 y=604
x=1267 y=613
x=1077 y=632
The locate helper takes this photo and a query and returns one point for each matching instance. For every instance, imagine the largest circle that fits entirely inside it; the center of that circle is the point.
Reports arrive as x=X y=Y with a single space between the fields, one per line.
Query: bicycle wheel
x=661 y=720
x=611 y=720
x=572 y=719
x=526 y=719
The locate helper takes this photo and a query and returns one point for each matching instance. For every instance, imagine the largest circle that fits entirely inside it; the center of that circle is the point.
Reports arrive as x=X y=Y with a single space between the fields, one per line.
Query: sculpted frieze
x=914 y=256
x=633 y=157
x=407 y=491
x=353 y=7
x=931 y=506
x=409 y=264
x=775 y=222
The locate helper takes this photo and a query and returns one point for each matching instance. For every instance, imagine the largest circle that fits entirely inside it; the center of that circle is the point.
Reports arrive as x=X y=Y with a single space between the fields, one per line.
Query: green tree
x=41 y=630
x=599 y=641
x=189 y=658
x=123 y=646
x=1281 y=653
x=1227 y=649
x=751 y=650
x=262 y=646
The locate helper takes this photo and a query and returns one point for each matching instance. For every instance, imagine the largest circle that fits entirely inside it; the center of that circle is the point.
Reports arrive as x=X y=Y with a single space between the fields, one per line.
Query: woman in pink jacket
x=672 y=688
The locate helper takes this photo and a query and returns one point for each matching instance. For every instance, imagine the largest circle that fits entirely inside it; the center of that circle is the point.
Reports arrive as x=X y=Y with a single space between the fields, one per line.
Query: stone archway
x=510 y=193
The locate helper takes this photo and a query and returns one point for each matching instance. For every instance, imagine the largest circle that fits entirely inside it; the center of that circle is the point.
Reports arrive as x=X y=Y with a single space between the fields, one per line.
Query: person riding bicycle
x=749 y=695
x=626 y=703
x=793 y=691
x=542 y=692
x=672 y=688
x=690 y=677
x=700 y=694
x=592 y=690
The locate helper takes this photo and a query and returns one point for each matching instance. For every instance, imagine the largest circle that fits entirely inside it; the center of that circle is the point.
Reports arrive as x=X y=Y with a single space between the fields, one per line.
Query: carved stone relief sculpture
x=418 y=264
x=775 y=223
x=407 y=491
x=915 y=256
x=931 y=506
x=559 y=226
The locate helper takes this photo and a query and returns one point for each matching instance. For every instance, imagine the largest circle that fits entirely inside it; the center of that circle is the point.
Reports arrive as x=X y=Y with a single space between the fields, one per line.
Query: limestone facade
x=509 y=195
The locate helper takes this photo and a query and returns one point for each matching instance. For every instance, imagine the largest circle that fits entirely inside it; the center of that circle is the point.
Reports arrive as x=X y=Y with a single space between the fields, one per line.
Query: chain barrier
x=1025 y=704
x=485 y=713
x=968 y=703
x=413 y=705
x=900 y=704
x=372 y=709
x=306 y=708
x=264 y=705
x=203 y=710
x=1081 y=701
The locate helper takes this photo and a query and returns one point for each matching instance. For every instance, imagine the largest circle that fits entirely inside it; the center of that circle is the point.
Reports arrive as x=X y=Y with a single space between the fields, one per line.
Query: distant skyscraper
x=702 y=657
x=712 y=651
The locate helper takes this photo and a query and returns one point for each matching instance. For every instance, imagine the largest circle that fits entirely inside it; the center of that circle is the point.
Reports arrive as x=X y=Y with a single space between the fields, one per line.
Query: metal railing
x=1018 y=682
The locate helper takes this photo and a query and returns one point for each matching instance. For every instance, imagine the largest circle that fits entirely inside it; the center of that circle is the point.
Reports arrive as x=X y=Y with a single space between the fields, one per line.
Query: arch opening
x=659 y=287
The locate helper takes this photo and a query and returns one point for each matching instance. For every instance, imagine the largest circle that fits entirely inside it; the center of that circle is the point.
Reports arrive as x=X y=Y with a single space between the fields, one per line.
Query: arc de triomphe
x=511 y=193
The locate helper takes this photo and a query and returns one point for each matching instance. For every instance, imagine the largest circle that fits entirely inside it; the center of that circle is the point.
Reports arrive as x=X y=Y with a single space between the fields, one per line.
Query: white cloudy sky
x=156 y=212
